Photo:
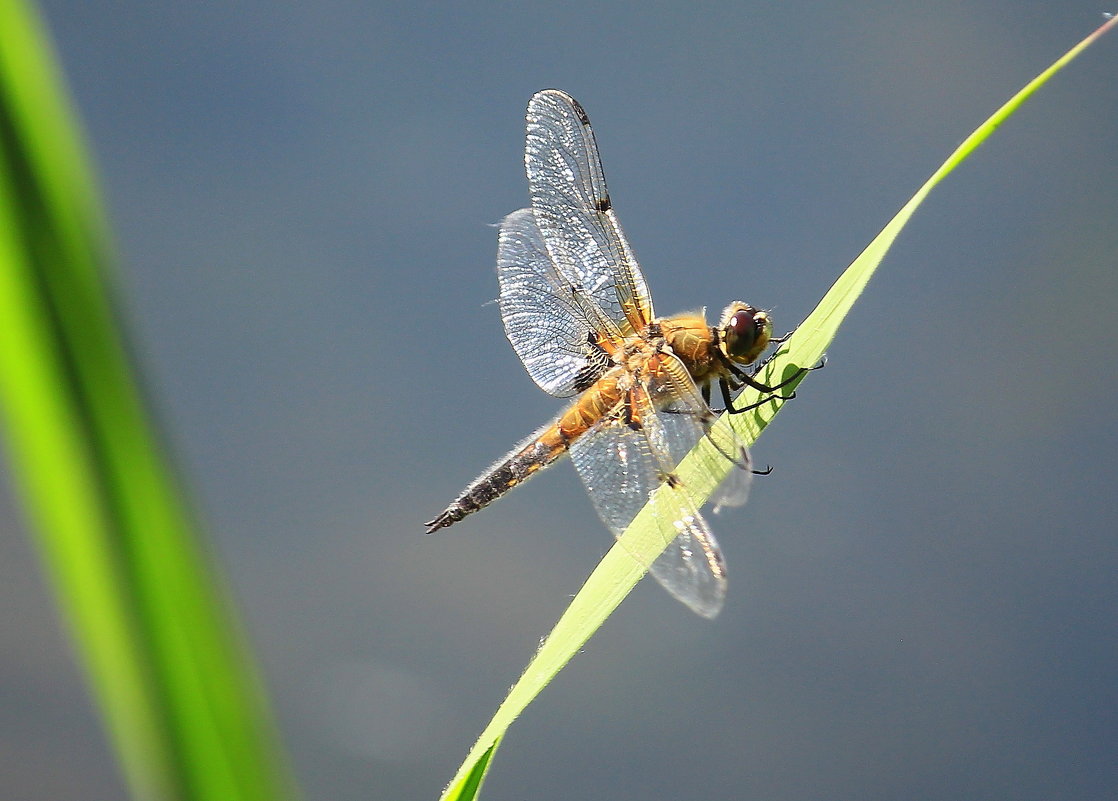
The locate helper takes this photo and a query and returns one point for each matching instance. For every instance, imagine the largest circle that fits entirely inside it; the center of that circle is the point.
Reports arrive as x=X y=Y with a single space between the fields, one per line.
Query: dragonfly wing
x=550 y=325
x=575 y=214
x=688 y=421
x=625 y=464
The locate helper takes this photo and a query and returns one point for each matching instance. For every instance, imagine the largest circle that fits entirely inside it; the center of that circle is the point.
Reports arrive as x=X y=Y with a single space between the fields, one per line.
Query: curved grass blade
x=621 y=568
x=160 y=648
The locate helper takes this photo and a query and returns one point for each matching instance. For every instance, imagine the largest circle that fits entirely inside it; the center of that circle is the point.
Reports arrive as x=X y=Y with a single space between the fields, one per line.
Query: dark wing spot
x=586 y=378
x=597 y=362
x=603 y=204
x=579 y=110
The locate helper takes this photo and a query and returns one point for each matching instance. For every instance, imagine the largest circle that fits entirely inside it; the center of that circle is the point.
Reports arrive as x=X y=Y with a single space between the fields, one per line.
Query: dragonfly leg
x=745 y=378
x=729 y=401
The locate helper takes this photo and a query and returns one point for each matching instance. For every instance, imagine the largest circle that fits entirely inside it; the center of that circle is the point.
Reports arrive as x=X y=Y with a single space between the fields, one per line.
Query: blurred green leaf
x=162 y=651
x=623 y=566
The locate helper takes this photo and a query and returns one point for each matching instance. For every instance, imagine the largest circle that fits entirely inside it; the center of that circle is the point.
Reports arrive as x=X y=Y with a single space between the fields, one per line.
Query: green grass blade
x=467 y=784
x=621 y=568
x=164 y=657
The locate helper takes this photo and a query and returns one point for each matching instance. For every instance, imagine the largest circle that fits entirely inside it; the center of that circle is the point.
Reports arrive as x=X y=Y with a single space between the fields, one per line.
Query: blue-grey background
x=923 y=594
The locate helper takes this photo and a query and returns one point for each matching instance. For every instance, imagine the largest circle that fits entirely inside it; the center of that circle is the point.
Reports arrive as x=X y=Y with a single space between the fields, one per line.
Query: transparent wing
x=624 y=459
x=574 y=212
x=547 y=321
x=688 y=421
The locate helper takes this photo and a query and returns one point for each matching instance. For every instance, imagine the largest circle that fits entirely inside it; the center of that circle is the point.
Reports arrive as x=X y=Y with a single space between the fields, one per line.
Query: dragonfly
x=578 y=313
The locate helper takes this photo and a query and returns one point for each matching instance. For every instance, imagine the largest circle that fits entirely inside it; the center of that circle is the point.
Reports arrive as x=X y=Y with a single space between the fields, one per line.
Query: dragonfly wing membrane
x=626 y=464
x=691 y=568
x=549 y=324
x=688 y=421
x=575 y=214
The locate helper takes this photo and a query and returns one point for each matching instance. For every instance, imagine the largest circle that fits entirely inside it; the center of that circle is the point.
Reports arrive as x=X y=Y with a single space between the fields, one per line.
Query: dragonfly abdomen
x=541 y=449
x=536 y=452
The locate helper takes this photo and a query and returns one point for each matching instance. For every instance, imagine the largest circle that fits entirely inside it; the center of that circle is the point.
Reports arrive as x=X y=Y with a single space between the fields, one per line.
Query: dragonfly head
x=744 y=332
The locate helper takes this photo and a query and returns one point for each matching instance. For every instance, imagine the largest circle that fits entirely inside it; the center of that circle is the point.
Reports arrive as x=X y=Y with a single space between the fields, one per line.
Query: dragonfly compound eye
x=746 y=333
